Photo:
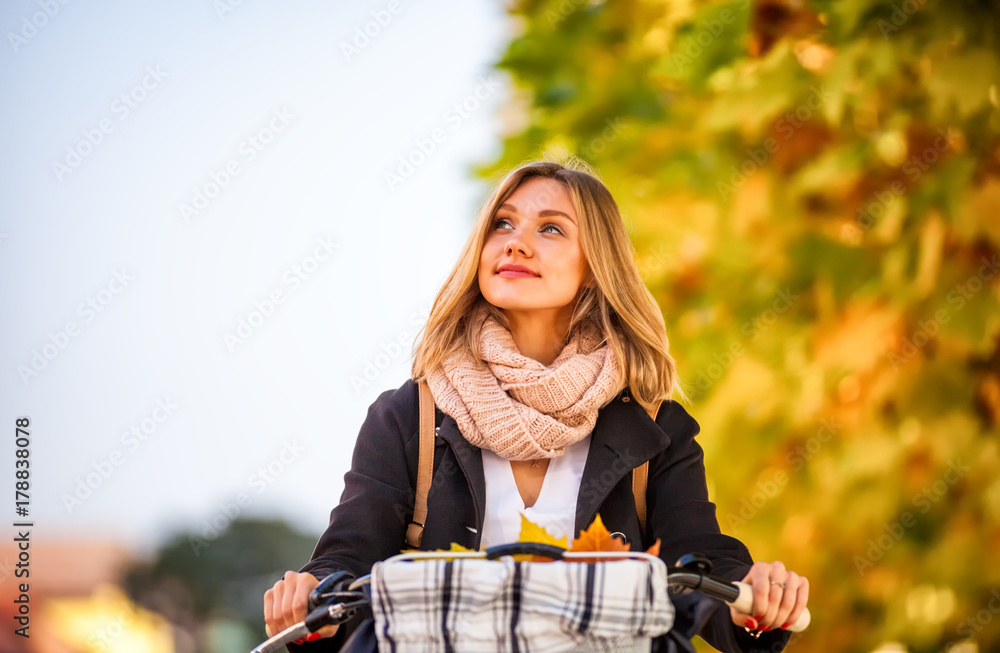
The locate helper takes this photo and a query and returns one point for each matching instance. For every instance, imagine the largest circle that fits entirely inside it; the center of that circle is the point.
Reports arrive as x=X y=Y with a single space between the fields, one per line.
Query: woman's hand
x=287 y=603
x=779 y=596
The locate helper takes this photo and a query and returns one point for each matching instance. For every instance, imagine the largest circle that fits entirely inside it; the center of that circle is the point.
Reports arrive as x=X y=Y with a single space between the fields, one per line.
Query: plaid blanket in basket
x=479 y=606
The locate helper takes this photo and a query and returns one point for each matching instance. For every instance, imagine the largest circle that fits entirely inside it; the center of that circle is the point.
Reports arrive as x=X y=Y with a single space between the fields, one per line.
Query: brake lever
x=328 y=588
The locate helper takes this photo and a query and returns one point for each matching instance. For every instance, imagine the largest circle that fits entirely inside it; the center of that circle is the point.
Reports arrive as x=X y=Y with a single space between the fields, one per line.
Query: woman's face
x=536 y=230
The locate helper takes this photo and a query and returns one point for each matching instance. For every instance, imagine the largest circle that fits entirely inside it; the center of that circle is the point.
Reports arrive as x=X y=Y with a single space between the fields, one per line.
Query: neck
x=539 y=334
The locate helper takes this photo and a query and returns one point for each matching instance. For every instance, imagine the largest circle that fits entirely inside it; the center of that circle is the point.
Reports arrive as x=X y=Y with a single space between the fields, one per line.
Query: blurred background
x=224 y=221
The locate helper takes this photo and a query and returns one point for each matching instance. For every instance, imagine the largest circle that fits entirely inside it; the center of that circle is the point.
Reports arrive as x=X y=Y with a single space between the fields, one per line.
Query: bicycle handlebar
x=733 y=593
x=325 y=615
x=334 y=600
x=691 y=572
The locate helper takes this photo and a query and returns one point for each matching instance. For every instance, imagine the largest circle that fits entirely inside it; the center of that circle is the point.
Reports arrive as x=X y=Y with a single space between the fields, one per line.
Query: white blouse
x=555 y=508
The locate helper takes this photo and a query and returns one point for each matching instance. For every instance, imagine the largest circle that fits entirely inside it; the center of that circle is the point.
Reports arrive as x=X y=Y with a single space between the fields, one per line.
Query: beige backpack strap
x=425 y=467
x=640 y=476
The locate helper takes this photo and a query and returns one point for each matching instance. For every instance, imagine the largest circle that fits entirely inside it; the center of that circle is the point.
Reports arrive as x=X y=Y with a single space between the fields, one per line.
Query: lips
x=509 y=271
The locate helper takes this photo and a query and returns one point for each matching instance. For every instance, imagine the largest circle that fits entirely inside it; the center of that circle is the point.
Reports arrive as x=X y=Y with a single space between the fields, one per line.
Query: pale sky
x=278 y=125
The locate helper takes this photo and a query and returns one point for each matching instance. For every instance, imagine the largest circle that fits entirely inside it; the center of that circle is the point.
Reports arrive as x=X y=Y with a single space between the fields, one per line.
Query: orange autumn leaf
x=598 y=538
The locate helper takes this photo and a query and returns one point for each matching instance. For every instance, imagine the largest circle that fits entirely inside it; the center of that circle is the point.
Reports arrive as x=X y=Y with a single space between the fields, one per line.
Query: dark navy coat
x=370 y=522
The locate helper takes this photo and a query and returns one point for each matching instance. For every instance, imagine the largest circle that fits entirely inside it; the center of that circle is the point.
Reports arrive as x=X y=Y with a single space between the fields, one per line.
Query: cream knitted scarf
x=517 y=407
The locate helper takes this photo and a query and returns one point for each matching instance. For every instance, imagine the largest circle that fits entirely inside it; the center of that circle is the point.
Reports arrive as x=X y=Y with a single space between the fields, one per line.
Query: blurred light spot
x=655 y=41
x=722 y=80
x=108 y=621
x=891 y=148
x=813 y=56
x=795 y=353
x=849 y=388
x=929 y=604
x=798 y=531
x=692 y=247
x=909 y=431
x=890 y=647
x=689 y=324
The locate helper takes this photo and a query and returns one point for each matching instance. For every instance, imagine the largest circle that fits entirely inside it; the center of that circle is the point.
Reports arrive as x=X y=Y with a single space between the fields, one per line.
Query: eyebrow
x=544 y=213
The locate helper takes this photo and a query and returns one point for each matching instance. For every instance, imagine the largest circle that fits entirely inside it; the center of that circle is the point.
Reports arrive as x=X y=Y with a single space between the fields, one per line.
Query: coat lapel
x=470 y=460
x=623 y=438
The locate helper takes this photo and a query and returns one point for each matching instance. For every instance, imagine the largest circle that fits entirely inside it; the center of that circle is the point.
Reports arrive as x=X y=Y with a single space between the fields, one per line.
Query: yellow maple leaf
x=453 y=548
x=531 y=532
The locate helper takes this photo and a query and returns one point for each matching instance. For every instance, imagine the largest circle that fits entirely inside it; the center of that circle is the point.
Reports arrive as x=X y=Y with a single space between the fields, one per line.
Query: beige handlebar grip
x=744 y=603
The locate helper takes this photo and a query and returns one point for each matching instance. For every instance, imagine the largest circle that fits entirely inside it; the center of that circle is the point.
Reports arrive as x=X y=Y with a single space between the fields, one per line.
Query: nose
x=516 y=244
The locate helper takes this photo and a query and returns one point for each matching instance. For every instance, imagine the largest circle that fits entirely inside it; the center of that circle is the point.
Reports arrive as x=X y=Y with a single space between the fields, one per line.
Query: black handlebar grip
x=525 y=548
x=337 y=581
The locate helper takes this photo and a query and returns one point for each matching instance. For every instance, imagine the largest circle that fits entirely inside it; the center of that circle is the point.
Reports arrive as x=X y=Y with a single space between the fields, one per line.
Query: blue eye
x=503 y=221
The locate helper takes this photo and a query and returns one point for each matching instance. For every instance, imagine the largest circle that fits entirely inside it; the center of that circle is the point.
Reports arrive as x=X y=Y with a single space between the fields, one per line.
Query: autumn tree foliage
x=813 y=189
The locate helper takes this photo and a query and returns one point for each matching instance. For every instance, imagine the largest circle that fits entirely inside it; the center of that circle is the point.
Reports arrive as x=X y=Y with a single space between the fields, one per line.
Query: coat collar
x=623 y=438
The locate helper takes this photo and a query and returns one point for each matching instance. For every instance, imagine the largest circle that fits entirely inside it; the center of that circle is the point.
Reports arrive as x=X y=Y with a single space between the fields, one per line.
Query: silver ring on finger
x=781 y=585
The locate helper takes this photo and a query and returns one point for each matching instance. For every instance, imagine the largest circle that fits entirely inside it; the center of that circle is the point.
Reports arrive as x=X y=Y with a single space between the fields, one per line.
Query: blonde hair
x=617 y=303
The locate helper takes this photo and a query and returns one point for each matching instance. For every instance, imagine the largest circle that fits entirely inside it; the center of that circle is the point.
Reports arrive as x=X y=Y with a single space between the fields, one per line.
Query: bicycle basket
x=448 y=601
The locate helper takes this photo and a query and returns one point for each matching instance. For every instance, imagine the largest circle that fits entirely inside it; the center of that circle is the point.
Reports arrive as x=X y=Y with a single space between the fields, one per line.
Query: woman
x=534 y=350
